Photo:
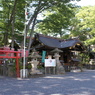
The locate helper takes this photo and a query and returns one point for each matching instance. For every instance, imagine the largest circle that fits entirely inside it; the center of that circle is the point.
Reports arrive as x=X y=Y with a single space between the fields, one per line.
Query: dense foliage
x=86 y=25
x=62 y=19
x=11 y=19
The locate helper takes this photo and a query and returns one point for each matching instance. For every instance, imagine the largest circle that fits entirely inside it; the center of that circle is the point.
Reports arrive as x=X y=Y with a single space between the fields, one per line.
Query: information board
x=50 y=62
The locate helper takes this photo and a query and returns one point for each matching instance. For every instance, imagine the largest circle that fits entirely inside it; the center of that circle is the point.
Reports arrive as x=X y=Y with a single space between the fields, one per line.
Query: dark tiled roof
x=57 y=43
x=69 y=43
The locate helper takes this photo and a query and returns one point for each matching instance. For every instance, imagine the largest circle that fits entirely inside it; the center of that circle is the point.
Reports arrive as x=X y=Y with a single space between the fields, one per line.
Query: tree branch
x=13 y=11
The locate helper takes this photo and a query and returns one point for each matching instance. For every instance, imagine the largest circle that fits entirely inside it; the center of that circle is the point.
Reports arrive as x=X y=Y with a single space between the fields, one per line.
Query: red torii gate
x=5 y=52
x=10 y=54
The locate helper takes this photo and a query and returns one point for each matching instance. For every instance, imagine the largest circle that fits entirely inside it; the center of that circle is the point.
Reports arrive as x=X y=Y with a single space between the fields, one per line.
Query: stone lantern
x=60 y=68
x=34 y=55
x=56 y=50
x=34 y=62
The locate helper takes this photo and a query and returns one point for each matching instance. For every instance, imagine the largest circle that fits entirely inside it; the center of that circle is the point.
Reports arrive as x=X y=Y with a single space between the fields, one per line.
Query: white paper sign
x=50 y=63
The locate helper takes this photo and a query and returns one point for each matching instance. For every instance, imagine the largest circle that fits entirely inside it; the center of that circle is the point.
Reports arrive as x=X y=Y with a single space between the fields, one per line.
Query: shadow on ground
x=80 y=83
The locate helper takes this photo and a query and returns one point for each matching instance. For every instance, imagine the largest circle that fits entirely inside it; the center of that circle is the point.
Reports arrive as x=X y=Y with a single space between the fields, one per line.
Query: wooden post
x=53 y=70
x=17 y=66
x=45 y=70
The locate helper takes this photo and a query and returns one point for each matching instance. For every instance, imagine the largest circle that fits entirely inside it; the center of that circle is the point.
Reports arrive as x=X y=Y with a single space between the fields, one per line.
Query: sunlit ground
x=73 y=83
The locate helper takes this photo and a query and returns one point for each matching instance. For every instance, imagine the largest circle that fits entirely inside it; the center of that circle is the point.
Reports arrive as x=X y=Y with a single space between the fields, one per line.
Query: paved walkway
x=79 y=83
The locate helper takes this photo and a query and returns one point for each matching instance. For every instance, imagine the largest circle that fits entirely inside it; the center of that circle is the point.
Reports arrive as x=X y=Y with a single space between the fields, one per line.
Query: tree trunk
x=12 y=19
x=5 y=38
x=31 y=34
x=12 y=45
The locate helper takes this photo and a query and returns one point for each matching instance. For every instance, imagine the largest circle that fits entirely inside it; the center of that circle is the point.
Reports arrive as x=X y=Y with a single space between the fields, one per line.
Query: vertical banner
x=43 y=56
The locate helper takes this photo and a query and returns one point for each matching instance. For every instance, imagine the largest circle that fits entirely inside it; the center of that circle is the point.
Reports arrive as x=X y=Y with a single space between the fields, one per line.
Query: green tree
x=58 y=21
x=39 y=6
x=84 y=26
x=11 y=19
x=12 y=16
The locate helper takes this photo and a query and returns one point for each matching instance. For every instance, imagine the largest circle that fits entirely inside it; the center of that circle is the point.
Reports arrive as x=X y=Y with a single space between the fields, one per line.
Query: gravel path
x=78 y=83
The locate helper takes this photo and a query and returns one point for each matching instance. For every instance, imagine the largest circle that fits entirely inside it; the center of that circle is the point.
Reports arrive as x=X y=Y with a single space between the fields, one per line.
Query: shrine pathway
x=79 y=83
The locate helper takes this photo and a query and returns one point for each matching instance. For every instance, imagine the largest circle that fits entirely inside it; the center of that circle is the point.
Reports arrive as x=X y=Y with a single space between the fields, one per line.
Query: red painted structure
x=11 y=54
x=7 y=54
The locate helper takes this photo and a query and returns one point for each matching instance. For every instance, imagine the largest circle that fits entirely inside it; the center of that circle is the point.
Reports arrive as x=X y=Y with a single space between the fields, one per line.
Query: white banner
x=50 y=62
